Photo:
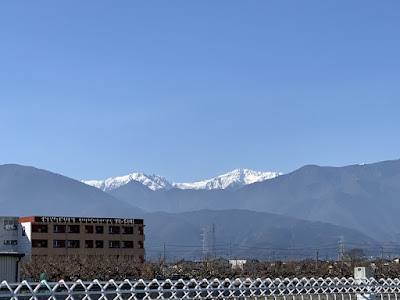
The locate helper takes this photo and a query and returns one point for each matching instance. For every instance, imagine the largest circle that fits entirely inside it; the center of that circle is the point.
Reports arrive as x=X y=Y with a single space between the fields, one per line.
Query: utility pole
x=291 y=245
x=213 y=241
x=164 y=260
x=341 y=249
x=316 y=258
x=230 y=250
x=164 y=255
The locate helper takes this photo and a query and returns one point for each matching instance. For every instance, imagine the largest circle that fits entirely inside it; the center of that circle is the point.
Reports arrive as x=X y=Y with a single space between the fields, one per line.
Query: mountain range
x=309 y=207
x=364 y=197
x=232 y=180
x=247 y=234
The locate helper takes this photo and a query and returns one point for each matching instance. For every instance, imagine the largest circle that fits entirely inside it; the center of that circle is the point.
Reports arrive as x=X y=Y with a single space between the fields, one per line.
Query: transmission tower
x=341 y=248
x=209 y=242
x=205 y=236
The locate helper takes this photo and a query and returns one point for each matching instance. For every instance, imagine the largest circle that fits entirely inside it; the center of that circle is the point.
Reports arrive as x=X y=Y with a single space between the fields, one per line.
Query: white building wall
x=25 y=239
x=242 y=263
x=237 y=263
x=9 y=234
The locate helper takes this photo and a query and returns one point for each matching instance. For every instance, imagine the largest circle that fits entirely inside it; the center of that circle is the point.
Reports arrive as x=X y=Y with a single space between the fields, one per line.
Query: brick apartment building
x=80 y=235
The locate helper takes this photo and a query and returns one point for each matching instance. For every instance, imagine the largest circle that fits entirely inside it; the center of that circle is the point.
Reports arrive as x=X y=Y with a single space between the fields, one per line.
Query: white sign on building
x=9 y=234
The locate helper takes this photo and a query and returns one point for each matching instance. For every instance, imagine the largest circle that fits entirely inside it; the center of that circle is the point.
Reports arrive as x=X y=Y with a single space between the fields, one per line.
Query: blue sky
x=193 y=89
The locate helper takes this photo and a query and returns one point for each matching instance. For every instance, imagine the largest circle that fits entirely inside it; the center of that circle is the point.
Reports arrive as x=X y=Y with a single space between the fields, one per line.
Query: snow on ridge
x=154 y=182
x=232 y=180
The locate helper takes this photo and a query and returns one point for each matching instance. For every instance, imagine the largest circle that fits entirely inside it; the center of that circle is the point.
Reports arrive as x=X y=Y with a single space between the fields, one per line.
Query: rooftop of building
x=79 y=220
x=14 y=254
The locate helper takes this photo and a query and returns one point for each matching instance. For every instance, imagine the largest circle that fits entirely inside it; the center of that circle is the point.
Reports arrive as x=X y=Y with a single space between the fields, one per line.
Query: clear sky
x=193 y=89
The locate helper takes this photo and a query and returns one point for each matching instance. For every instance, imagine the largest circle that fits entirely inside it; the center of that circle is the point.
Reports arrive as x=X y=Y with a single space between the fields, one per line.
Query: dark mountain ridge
x=30 y=191
x=251 y=234
x=364 y=197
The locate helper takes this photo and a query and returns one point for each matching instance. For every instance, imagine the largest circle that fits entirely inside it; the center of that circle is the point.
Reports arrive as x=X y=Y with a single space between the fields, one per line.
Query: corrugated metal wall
x=8 y=268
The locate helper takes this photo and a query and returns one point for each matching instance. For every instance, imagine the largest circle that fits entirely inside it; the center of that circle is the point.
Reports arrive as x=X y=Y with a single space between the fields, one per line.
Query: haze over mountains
x=364 y=197
x=290 y=210
x=251 y=235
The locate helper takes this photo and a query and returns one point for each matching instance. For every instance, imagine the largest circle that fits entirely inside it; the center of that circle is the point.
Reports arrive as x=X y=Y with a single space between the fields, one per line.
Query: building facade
x=242 y=263
x=81 y=236
x=9 y=234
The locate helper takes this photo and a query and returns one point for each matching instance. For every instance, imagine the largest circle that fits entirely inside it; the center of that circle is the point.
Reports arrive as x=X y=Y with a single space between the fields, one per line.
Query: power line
x=232 y=250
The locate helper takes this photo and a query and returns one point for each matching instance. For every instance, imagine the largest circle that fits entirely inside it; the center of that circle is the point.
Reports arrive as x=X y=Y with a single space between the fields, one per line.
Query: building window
x=10 y=224
x=39 y=228
x=10 y=242
x=89 y=244
x=99 y=244
x=88 y=229
x=58 y=244
x=127 y=230
x=73 y=244
x=59 y=228
x=140 y=230
x=113 y=229
x=99 y=229
x=73 y=228
x=39 y=243
x=113 y=244
x=140 y=245
x=127 y=244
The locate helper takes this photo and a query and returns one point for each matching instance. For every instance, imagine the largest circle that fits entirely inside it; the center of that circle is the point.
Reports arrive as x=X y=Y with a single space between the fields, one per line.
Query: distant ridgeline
x=296 y=213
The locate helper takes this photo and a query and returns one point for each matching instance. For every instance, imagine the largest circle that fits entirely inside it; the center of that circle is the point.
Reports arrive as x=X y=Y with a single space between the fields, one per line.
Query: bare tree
x=355 y=255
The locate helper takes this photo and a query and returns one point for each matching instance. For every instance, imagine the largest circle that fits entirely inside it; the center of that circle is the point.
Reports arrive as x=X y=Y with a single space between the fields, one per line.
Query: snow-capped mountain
x=153 y=182
x=231 y=180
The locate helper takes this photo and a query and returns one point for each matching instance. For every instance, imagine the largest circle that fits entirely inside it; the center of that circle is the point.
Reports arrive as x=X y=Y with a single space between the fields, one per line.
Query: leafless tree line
x=88 y=268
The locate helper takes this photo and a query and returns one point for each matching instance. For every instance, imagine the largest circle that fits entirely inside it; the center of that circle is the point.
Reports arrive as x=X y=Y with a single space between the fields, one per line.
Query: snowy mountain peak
x=232 y=180
x=153 y=182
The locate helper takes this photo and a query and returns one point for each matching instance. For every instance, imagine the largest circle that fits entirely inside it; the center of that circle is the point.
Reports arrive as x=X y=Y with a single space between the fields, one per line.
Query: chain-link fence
x=240 y=289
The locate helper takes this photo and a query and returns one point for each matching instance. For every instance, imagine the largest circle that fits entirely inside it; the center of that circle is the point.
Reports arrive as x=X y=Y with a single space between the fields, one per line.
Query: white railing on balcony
x=243 y=289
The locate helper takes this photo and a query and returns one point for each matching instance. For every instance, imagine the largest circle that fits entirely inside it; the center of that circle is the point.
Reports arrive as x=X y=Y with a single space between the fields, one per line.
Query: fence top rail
x=204 y=288
x=270 y=281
